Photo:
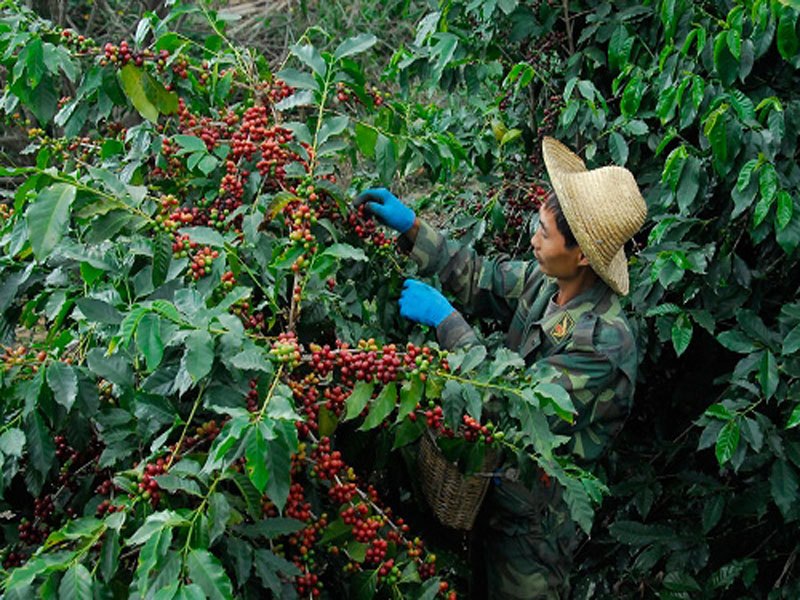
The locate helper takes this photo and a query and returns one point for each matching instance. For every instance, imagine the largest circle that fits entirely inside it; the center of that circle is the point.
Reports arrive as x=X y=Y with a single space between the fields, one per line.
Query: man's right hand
x=387 y=208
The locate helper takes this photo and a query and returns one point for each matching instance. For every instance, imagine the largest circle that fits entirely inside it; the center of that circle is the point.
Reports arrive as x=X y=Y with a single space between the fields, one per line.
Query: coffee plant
x=204 y=315
x=201 y=338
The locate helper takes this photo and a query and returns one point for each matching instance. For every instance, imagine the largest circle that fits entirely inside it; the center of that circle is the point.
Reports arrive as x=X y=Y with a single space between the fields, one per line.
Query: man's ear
x=582 y=260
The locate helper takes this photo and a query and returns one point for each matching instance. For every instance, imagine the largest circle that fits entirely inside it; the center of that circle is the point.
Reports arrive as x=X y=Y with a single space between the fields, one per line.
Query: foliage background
x=699 y=100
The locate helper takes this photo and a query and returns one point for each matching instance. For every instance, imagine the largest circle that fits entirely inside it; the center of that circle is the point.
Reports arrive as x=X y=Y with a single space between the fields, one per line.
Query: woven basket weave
x=454 y=498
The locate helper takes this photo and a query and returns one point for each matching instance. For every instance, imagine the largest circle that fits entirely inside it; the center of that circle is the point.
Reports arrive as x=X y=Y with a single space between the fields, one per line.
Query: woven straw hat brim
x=603 y=208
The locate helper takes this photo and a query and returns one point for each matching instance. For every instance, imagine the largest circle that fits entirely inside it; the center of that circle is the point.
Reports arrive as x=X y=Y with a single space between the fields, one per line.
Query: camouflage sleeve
x=600 y=382
x=485 y=287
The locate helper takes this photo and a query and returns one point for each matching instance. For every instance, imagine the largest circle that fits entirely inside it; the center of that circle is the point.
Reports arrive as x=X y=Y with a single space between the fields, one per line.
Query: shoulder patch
x=562 y=328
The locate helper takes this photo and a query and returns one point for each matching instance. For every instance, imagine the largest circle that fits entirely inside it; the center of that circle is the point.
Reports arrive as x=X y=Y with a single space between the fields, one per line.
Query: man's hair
x=554 y=206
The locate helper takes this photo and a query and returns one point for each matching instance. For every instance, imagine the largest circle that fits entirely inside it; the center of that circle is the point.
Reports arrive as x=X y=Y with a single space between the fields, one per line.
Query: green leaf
x=768 y=182
x=385 y=158
x=787 y=41
x=633 y=533
x=783 y=485
x=345 y=251
x=279 y=462
x=147 y=94
x=667 y=101
x=309 y=55
x=76 y=584
x=12 y=442
x=354 y=45
x=743 y=106
x=331 y=126
x=299 y=98
x=794 y=418
x=785 y=210
x=358 y=398
x=364 y=585
x=64 y=382
x=190 y=143
x=268 y=565
x=556 y=396
x=619 y=48
x=734 y=41
x=726 y=65
x=41 y=449
x=768 y=374
x=737 y=341
x=791 y=343
x=274 y=527
x=618 y=148
x=410 y=395
x=714 y=129
x=382 y=407
x=678 y=581
x=162 y=257
x=682 y=330
x=155 y=523
x=199 y=354
x=712 y=511
x=727 y=441
x=130 y=323
x=297 y=79
x=256 y=453
x=206 y=571
x=718 y=411
x=632 y=96
x=48 y=217
x=673 y=166
x=253 y=359
x=203 y=235
x=474 y=357
x=366 y=138
x=148 y=338
x=408 y=431
x=745 y=174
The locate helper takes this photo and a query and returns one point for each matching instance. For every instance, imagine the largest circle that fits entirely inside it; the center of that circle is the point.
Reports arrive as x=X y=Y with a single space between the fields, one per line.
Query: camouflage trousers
x=527 y=540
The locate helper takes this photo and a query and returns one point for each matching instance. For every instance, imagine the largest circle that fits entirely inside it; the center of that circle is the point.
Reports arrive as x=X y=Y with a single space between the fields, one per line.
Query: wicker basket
x=454 y=498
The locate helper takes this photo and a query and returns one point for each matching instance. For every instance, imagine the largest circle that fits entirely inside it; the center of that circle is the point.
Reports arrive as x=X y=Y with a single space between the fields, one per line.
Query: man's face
x=550 y=249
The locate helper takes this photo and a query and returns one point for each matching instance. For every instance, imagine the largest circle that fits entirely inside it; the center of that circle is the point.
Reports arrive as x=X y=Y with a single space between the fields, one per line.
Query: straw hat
x=603 y=207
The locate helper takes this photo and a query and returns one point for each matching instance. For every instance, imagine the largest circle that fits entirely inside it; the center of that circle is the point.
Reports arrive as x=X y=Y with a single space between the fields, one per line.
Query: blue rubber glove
x=424 y=304
x=387 y=208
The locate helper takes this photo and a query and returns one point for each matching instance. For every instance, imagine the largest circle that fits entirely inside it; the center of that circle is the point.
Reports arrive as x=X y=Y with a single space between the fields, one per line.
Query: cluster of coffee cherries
x=203 y=127
x=277 y=90
x=105 y=392
x=550 y=113
x=343 y=94
x=472 y=430
x=286 y=349
x=148 y=485
x=36 y=531
x=74 y=41
x=202 y=262
x=252 y=396
x=521 y=202
x=107 y=508
x=205 y=432
x=14 y=559
x=251 y=319
x=327 y=463
x=6 y=212
x=366 y=228
x=122 y=54
x=22 y=357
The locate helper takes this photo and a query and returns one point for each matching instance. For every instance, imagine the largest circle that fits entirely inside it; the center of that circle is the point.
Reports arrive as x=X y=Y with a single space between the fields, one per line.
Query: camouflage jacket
x=586 y=346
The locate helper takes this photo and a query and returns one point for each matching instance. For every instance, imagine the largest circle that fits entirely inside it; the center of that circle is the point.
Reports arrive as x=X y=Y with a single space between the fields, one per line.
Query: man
x=565 y=320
